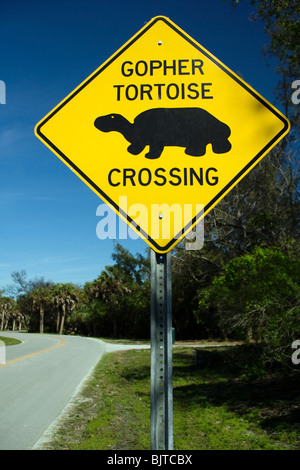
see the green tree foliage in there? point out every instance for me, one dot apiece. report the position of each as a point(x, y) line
point(262, 210)
point(131, 268)
point(40, 302)
point(109, 289)
point(134, 270)
point(257, 297)
point(282, 24)
point(8, 311)
point(115, 304)
point(118, 301)
point(281, 19)
point(191, 271)
point(43, 305)
point(21, 285)
point(65, 298)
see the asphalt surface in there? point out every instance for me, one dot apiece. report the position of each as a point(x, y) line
point(38, 380)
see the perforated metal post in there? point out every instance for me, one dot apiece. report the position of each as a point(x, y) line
point(161, 353)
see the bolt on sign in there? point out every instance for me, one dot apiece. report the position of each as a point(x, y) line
point(162, 131)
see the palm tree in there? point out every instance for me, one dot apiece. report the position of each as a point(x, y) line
point(65, 299)
point(41, 297)
point(20, 318)
point(110, 289)
point(6, 309)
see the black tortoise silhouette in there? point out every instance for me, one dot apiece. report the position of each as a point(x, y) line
point(192, 128)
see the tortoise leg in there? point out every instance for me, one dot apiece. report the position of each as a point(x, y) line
point(155, 151)
point(196, 152)
point(221, 147)
point(135, 149)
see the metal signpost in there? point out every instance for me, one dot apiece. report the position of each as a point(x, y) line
point(161, 352)
point(162, 131)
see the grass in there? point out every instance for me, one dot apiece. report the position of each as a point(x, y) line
point(220, 407)
point(9, 341)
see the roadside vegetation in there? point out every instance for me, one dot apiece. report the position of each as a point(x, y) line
point(9, 341)
point(223, 406)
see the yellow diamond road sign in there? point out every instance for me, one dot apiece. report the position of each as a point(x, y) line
point(162, 131)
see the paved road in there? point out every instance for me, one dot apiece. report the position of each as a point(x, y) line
point(39, 379)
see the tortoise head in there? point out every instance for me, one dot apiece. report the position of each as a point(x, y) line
point(110, 122)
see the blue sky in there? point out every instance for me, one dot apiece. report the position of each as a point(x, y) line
point(48, 215)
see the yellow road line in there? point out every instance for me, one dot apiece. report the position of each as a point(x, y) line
point(61, 343)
